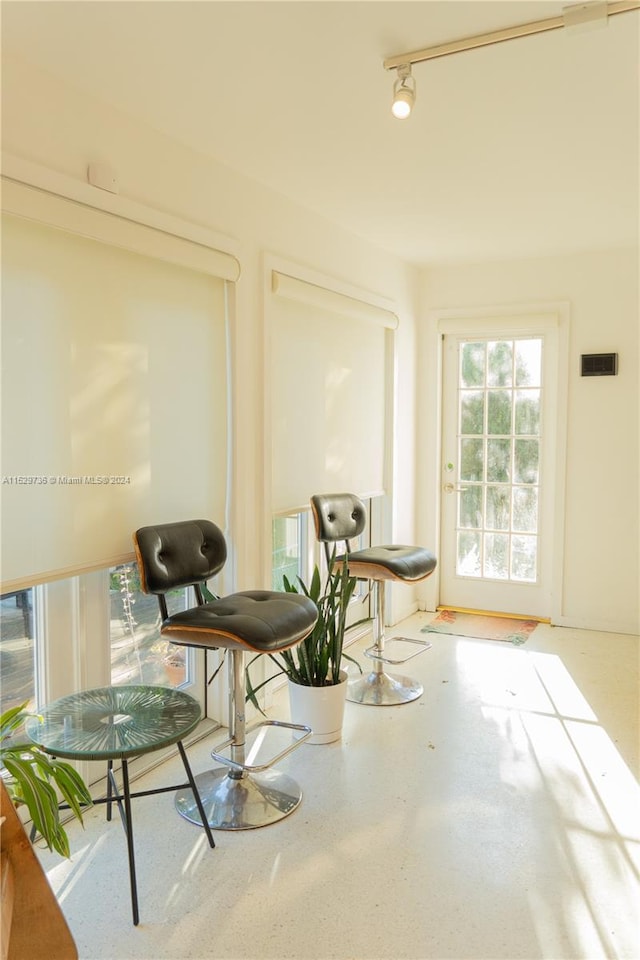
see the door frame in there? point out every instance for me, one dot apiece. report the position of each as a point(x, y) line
point(524, 318)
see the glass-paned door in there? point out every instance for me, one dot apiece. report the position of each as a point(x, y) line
point(494, 448)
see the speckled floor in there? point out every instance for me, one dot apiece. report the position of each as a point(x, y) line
point(495, 817)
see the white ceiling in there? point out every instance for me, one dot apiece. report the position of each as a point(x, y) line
point(524, 148)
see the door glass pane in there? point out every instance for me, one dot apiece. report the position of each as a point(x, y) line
point(523, 559)
point(17, 649)
point(472, 411)
point(472, 357)
point(528, 363)
point(498, 461)
point(498, 508)
point(469, 562)
point(471, 459)
point(499, 453)
point(139, 654)
point(471, 507)
point(526, 456)
point(499, 411)
point(500, 364)
point(527, 412)
point(525, 509)
point(496, 557)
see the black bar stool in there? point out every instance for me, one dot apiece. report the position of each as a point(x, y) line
point(342, 517)
point(188, 553)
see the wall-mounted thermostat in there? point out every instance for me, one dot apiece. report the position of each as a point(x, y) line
point(599, 364)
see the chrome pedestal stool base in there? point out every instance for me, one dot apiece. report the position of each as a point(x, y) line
point(383, 689)
point(233, 802)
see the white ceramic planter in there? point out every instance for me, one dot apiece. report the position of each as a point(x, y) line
point(321, 708)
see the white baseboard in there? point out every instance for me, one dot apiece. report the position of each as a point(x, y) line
point(604, 626)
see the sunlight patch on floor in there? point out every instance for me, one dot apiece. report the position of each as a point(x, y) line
point(553, 744)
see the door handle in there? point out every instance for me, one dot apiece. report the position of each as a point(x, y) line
point(451, 488)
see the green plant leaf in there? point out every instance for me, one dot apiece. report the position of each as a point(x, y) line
point(11, 719)
point(207, 595)
point(32, 773)
point(71, 786)
point(40, 799)
point(317, 659)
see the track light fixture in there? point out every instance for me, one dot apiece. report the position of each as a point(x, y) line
point(404, 92)
point(575, 16)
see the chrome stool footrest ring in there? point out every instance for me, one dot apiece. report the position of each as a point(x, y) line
point(260, 767)
point(374, 654)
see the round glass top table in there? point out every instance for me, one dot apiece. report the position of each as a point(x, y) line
point(112, 723)
point(118, 723)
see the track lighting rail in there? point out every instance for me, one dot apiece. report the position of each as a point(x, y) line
point(508, 33)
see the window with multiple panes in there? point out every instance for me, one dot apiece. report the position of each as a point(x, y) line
point(499, 436)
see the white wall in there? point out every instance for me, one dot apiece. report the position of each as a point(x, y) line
point(59, 127)
point(601, 575)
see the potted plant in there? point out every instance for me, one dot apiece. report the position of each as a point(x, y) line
point(31, 777)
point(174, 665)
point(317, 682)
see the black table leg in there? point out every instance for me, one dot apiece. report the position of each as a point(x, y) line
point(128, 829)
point(110, 787)
point(196, 794)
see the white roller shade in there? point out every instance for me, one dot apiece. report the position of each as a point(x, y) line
point(33, 203)
point(313, 295)
point(113, 398)
point(331, 379)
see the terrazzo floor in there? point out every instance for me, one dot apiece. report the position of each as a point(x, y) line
point(495, 817)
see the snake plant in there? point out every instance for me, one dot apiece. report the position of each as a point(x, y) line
point(316, 660)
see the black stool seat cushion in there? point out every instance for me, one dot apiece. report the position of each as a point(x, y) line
point(408, 564)
point(258, 620)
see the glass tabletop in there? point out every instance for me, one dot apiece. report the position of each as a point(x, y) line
point(114, 722)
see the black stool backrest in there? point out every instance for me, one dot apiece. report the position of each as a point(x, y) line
point(338, 516)
point(179, 554)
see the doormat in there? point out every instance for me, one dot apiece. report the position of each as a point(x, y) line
point(481, 626)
